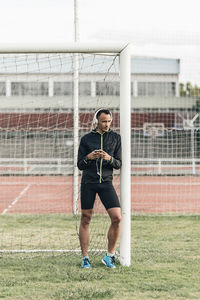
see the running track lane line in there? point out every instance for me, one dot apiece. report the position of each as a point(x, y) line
point(16, 199)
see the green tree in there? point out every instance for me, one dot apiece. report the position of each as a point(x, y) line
point(189, 90)
point(182, 89)
point(196, 91)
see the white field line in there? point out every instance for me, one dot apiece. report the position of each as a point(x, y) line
point(16, 199)
point(51, 250)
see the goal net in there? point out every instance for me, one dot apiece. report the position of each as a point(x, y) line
point(39, 211)
point(165, 139)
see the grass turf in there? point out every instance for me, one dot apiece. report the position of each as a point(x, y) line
point(165, 265)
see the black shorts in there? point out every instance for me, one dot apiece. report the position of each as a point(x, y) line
point(106, 193)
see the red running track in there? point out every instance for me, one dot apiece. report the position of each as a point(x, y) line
point(54, 194)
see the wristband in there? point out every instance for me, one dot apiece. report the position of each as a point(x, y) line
point(86, 159)
point(111, 160)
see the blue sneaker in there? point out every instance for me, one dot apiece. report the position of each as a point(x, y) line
point(109, 261)
point(85, 263)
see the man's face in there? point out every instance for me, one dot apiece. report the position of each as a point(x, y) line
point(104, 122)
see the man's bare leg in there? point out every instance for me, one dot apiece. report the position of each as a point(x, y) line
point(84, 234)
point(114, 230)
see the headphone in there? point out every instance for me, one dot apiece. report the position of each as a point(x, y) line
point(95, 120)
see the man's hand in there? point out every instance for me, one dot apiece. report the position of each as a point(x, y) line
point(99, 154)
point(104, 155)
point(94, 154)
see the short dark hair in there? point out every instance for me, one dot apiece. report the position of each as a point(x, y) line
point(105, 111)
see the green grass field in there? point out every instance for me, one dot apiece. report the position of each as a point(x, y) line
point(165, 265)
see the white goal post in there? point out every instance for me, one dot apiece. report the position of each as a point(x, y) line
point(124, 52)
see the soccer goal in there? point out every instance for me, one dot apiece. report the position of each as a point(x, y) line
point(49, 94)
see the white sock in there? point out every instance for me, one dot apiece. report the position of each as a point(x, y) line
point(110, 254)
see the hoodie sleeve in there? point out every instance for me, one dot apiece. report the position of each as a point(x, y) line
point(116, 161)
point(83, 162)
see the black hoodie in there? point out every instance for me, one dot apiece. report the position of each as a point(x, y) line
point(99, 170)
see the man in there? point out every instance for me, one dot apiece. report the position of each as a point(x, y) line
point(99, 152)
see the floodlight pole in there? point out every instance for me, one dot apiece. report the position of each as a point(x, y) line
point(125, 130)
point(76, 110)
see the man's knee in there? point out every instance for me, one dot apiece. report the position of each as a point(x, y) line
point(115, 215)
point(86, 218)
point(116, 219)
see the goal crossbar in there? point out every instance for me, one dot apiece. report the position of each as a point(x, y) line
point(63, 48)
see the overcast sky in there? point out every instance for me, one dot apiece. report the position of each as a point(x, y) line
point(155, 27)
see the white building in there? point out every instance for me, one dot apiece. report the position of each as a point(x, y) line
point(32, 82)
